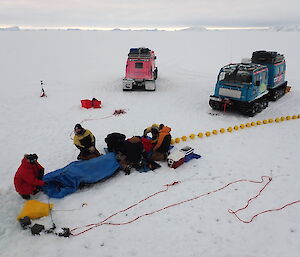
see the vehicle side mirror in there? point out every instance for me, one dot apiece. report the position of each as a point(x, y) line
point(257, 83)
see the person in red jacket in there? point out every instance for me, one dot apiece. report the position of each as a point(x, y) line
point(28, 178)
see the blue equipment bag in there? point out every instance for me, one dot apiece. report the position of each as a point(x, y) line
point(191, 156)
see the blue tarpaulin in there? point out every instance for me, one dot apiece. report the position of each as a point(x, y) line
point(66, 180)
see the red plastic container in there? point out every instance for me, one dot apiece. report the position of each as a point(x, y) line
point(178, 163)
point(175, 159)
point(86, 103)
point(96, 103)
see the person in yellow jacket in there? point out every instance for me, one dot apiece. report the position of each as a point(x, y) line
point(85, 141)
point(153, 129)
point(162, 146)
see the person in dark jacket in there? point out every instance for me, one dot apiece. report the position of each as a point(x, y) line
point(130, 154)
point(114, 141)
point(28, 178)
point(85, 141)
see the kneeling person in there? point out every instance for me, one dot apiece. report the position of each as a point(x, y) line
point(161, 148)
point(85, 141)
point(28, 178)
point(130, 154)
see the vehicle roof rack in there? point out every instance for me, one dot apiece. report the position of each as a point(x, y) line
point(249, 67)
point(139, 52)
point(266, 57)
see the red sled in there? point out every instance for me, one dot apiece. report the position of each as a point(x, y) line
point(86, 103)
point(96, 103)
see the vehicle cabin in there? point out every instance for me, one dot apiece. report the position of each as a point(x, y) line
point(242, 82)
point(140, 64)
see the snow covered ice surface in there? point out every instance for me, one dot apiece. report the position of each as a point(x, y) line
point(77, 65)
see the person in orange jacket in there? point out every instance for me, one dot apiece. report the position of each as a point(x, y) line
point(161, 148)
point(28, 178)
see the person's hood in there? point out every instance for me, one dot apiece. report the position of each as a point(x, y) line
point(25, 163)
point(165, 130)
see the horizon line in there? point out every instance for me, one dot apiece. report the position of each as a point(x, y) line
point(133, 28)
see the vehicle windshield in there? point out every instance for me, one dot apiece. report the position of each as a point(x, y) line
point(235, 76)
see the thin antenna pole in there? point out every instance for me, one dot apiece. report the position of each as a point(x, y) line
point(43, 91)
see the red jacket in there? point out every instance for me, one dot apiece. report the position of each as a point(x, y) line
point(147, 144)
point(26, 178)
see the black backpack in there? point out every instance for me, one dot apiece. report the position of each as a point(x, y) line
point(133, 150)
point(115, 141)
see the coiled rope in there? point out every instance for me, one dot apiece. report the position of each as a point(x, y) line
point(264, 179)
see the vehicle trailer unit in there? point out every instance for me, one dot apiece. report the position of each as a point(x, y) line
point(248, 87)
point(141, 71)
point(276, 69)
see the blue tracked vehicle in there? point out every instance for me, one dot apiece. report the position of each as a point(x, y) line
point(248, 87)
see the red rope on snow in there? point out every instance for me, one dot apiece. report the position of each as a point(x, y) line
point(104, 222)
point(116, 113)
point(265, 211)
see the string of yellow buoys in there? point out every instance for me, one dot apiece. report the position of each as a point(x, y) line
point(234, 128)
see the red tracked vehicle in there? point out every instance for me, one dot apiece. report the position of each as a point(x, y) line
point(141, 71)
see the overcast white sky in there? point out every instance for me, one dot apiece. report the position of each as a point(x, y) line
point(148, 13)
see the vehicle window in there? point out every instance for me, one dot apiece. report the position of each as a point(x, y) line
point(264, 77)
point(235, 77)
point(244, 77)
point(257, 79)
point(139, 65)
point(222, 75)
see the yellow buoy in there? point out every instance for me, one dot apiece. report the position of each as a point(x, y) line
point(258, 122)
point(265, 121)
point(248, 125)
point(271, 120)
point(288, 117)
point(215, 132)
point(242, 126)
point(192, 136)
point(253, 123)
point(236, 127)
point(298, 116)
point(294, 117)
point(183, 138)
point(277, 120)
point(222, 130)
point(207, 133)
point(177, 140)
point(229, 129)
point(200, 135)
point(282, 118)
point(172, 141)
